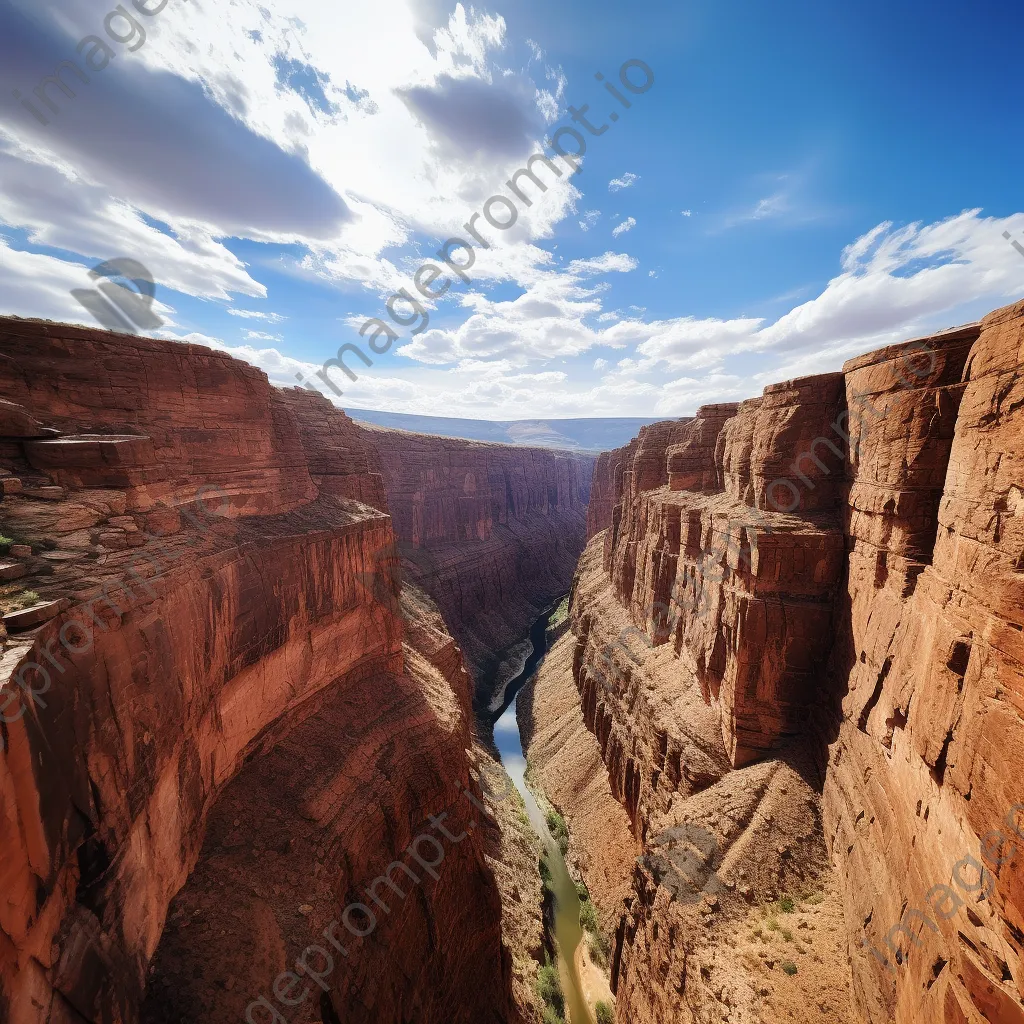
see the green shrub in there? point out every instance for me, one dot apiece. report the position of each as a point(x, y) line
point(552, 1016)
point(588, 916)
point(786, 905)
point(559, 614)
point(549, 988)
point(604, 1012)
point(787, 934)
point(600, 949)
point(15, 602)
point(789, 967)
point(558, 829)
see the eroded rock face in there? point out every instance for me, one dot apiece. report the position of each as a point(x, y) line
point(492, 532)
point(222, 684)
point(927, 730)
point(810, 617)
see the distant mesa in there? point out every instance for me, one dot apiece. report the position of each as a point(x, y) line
point(587, 434)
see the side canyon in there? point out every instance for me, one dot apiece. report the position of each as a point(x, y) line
point(250, 651)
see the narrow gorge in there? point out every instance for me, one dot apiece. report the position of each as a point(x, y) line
point(253, 656)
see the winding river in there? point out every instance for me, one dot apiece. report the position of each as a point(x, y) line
point(568, 931)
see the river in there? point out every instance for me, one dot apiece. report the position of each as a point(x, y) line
point(568, 931)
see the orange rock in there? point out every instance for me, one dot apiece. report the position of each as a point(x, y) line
point(832, 569)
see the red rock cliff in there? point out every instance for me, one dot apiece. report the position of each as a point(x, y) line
point(795, 662)
point(492, 532)
point(222, 718)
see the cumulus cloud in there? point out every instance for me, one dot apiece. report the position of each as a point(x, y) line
point(547, 321)
point(174, 153)
point(628, 180)
point(627, 225)
point(589, 219)
point(476, 119)
point(272, 121)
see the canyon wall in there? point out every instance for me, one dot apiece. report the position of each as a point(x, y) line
point(224, 715)
point(795, 657)
point(492, 532)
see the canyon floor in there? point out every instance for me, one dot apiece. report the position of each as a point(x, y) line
point(253, 654)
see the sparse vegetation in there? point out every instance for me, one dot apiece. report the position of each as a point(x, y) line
point(787, 934)
point(600, 949)
point(549, 988)
point(545, 876)
point(558, 616)
point(558, 829)
point(597, 945)
point(789, 967)
point(12, 599)
point(773, 925)
point(787, 905)
point(588, 915)
point(814, 899)
point(604, 1012)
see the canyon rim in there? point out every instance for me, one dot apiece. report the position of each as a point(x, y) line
point(247, 695)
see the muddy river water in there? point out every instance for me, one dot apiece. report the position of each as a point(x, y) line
point(568, 931)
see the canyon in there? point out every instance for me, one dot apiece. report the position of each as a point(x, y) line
point(250, 648)
point(792, 694)
point(235, 711)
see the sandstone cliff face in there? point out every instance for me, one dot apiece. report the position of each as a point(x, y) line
point(491, 532)
point(927, 675)
point(796, 654)
point(223, 705)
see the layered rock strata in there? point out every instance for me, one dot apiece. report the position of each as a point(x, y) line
point(795, 654)
point(219, 702)
point(491, 532)
point(923, 801)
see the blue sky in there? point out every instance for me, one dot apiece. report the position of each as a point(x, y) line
point(802, 182)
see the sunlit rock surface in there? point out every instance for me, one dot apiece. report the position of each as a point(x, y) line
point(796, 653)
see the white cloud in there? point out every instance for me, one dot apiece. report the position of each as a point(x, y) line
point(262, 336)
point(590, 218)
point(687, 213)
point(669, 367)
point(254, 314)
point(315, 140)
point(547, 321)
point(627, 225)
point(628, 180)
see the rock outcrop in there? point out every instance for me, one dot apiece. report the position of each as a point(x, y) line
point(795, 652)
point(492, 532)
point(236, 749)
